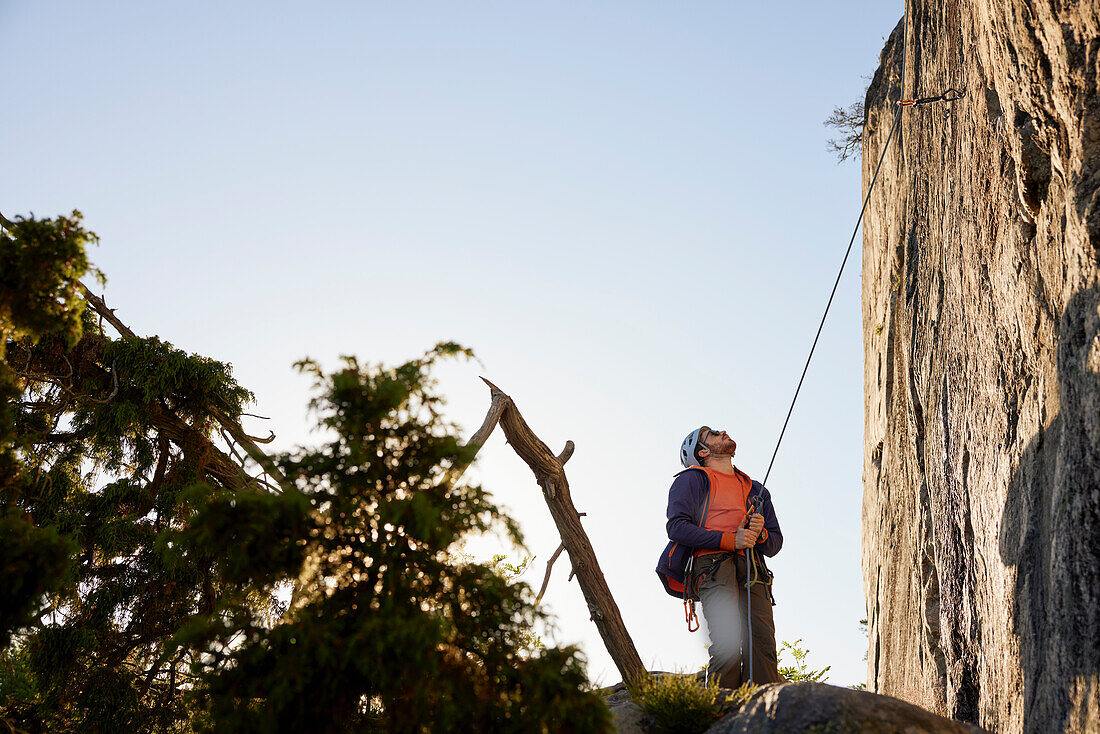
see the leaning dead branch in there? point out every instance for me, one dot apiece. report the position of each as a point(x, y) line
point(549, 471)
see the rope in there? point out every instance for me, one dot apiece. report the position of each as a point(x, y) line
point(750, 567)
point(949, 95)
point(748, 602)
point(851, 242)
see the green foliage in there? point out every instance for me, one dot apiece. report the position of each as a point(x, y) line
point(151, 584)
point(160, 384)
point(41, 264)
point(799, 670)
point(530, 642)
point(742, 695)
point(187, 384)
point(389, 627)
point(33, 561)
point(509, 571)
point(681, 704)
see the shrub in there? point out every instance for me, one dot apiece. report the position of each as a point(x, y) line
point(680, 703)
point(800, 671)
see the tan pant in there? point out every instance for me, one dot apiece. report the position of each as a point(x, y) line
point(721, 585)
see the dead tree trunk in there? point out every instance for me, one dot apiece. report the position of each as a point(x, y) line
point(549, 472)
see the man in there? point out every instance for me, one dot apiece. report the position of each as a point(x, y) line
point(714, 543)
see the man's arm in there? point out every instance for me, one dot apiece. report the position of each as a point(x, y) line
point(685, 500)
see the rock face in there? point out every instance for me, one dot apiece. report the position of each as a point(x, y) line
point(981, 322)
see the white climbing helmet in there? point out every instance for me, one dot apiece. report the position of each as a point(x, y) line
point(687, 448)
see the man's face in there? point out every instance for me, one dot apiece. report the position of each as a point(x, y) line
point(719, 442)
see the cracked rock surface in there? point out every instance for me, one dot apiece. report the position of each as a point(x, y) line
point(981, 327)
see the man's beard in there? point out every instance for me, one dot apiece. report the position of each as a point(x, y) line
point(725, 447)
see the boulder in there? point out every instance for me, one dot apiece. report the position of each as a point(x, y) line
point(818, 708)
point(801, 708)
point(629, 716)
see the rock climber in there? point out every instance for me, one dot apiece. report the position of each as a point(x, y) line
point(713, 539)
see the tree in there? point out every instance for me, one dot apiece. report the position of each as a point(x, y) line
point(849, 123)
point(389, 626)
point(38, 277)
point(168, 574)
point(103, 438)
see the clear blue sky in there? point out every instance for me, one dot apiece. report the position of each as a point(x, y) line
point(625, 208)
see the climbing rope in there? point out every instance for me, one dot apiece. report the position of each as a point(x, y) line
point(750, 566)
point(950, 95)
point(897, 116)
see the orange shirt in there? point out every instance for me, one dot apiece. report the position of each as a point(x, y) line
point(726, 502)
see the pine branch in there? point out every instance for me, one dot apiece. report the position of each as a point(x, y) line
point(248, 443)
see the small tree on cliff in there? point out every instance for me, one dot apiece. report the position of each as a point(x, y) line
point(146, 561)
point(848, 122)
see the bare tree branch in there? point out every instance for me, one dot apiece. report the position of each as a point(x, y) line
point(496, 407)
point(252, 449)
point(549, 567)
point(269, 439)
point(481, 435)
point(550, 474)
point(849, 123)
point(100, 307)
point(64, 437)
point(233, 427)
point(114, 391)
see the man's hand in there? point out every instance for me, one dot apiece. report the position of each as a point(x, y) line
point(744, 538)
point(756, 524)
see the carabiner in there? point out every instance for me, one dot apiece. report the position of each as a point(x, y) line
point(689, 615)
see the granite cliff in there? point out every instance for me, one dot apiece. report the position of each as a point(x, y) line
point(981, 323)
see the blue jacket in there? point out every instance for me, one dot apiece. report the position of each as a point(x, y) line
point(686, 500)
